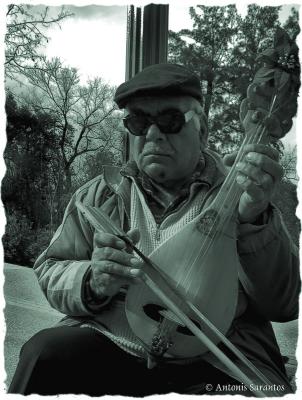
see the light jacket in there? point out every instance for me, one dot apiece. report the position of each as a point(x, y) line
point(269, 277)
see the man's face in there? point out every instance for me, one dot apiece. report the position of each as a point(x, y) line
point(166, 158)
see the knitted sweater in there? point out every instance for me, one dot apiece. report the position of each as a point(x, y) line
point(152, 235)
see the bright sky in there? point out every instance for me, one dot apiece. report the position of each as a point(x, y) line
point(94, 39)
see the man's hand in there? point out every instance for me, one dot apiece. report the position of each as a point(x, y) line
point(111, 266)
point(258, 174)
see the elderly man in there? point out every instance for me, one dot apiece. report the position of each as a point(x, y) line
point(85, 273)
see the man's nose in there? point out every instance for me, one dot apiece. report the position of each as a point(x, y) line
point(154, 133)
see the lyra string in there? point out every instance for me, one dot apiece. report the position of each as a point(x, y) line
point(231, 192)
point(231, 196)
point(257, 137)
point(99, 221)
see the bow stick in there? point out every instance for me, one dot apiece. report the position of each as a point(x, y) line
point(163, 289)
point(276, 86)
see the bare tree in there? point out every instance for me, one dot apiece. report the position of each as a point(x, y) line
point(87, 121)
point(54, 201)
point(25, 35)
point(289, 164)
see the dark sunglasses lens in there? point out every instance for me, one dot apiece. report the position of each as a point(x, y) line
point(136, 124)
point(170, 122)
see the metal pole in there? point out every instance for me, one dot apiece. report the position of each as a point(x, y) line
point(133, 43)
point(155, 34)
point(129, 42)
point(148, 48)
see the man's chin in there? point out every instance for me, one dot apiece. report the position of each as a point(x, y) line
point(156, 171)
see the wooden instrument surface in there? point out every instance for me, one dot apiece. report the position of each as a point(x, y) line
point(204, 271)
point(195, 272)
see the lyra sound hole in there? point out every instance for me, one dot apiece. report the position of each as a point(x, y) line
point(158, 313)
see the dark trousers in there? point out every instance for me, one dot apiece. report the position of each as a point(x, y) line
point(80, 360)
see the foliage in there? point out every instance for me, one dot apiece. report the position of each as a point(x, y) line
point(289, 165)
point(31, 157)
point(39, 158)
point(23, 243)
point(38, 241)
point(91, 165)
point(285, 199)
point(292, 24)
point(17, 229)
point(205, 48)
point(25, 35)
point(222, 48)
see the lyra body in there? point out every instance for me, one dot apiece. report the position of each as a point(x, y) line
point(199, 262)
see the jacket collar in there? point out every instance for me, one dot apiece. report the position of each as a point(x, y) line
point(213, 174)
point(213, 168)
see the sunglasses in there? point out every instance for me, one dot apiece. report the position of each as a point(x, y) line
point(168, 122)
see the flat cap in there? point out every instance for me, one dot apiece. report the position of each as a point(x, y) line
point(159, 80)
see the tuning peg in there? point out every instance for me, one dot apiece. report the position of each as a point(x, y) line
point(256, 116)
point(264, 88)
point(273, 126)
point(285, 122)
point(251, 105)
point(286, 125)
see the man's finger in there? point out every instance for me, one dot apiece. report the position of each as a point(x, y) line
point(229, 159)
point(263, 149)
point(266, 164)
point(252, 148)
point(108, 285)
point(256, 174)
point(113, 268)
point(111, 254)
point(103, 239)
point(254, 190)
point(134, 235)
